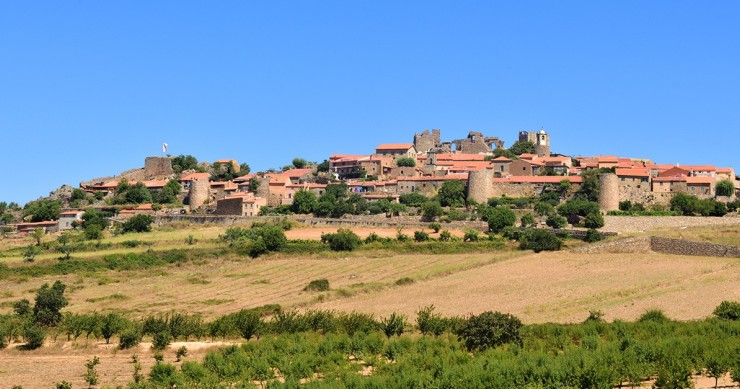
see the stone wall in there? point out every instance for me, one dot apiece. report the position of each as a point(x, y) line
point(158, 167)
point(230, 207)
point(686, 247)
point(514, 190)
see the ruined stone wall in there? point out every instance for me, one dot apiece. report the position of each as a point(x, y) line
point(474, 144)
point(686, 247)
point(609, 192)
point(158, 167)
point(200, 192)
point(426, 141)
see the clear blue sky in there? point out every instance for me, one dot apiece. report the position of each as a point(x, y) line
point(90, 88)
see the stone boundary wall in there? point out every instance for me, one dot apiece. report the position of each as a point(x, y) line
point(657, 244)
point(687, 247)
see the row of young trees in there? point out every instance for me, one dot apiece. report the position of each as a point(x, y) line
point(491, 350)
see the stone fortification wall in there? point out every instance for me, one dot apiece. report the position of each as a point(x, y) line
point(514, 190)
point(686, 247)
point(158, 167)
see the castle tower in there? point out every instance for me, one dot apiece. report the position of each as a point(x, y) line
point(157, 167)
point(200, 191)
point(608, 192)
point(480, 185)
point(540, 139)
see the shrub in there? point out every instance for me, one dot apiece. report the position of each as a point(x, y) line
point(274, 237)
point(490, 329)
point(404, 281)
point(512, 233)
point(594, 220)
point(539, 240)
point(653, 315)
point(445, 236)
point(725, 188)
point(373, 237)
point(34, 337)
point(342, 240)
point(527, 219)
point(431, 210)
point(729, 310)
point(393, 325)
point(421, 236)
point(317, 285)
point(248, 322)
point(413, 199)
point(500, 217)
point(435, 227)
point(406, 162)
point(129, 338)
point(543, 209)
point(138, 223)
point(556, 221)
point(181, 352)
point(161, 340)
point(470, 236)
point(430, 323)
point(593, 235)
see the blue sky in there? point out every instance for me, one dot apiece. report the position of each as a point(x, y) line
point(89, 89)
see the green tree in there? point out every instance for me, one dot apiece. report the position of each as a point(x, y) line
point(527, 219)
point(452, 193)
point(244, 168)
point(254, 184)
point(111, 324)
point(499, 218)
point(299, 163)
point(589, 189)
point(405, 162)
point(168, 194)
point(94, 217)
point(91, 374)
point(6, 218)
point(539, 240)
point(522, 147)
point(43, 210)
point(342, 240)
point(30, 253)
point(66, 246)
point(78, 194)
point(503, 152)
point(248, 323)
point(34, 337)
point(431, 209)
point(490, 329)
point(304, 202)
point(48, 305)
point(137, 194)
point(323, 166)
point(725, 188)
point(594, 220)
point(37, 234)
point(184, 162)
point(729, 310)
point(414, 199)
point(138, 223)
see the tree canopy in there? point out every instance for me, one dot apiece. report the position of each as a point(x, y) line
point(521, 147)
point(452, 193)
point(406, 162)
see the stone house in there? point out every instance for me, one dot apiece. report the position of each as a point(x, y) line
point(66, 219)
point(46, 226)
point(501, 166)
point(396, 150)
point(240, 204)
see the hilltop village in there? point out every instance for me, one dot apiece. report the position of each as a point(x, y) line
point(482, 163)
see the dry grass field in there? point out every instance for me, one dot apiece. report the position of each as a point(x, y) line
point(545, 287)
point(564, 286)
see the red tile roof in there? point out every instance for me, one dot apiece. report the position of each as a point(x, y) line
point(460, 157)
point(700, 180)
point(632, 172)
point(538, 179)
point(501, 159)
point(395, 146)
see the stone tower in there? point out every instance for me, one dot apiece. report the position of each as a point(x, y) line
point(200, 191)
point(425, 141)
point(157, 167)
point(540, 139)
point(480, 185)
point(608, 192)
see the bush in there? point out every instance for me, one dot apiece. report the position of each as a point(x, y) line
point(445, 236)
point(342, 240)
point(404, 281)
point(556, 221)
point(512, 233)
point(421, 236)
point(413, 199)
point(539, 240)
point(527, 219)
point(499, 218)
point(725, 188)
point(161, 340)
point(593, 235)
point(321, 285)
point(431, 210)
point(594, 220)
point(405, 162)
point(470, 236)
point(435, 227)
point(129, 338)
point(729, 310)
point(490, 329)
point(430, 323)
point(34, 337)
point(653, 315)
point(393, 325)
point(138, 223)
